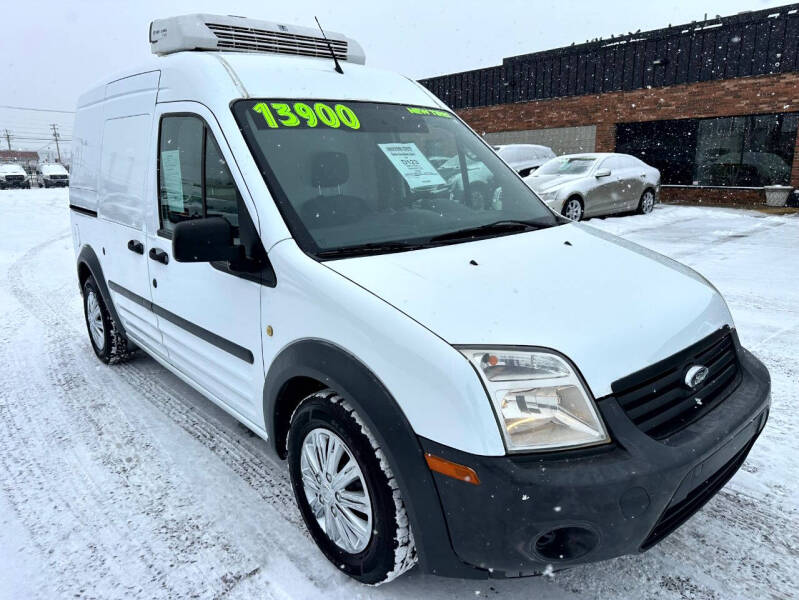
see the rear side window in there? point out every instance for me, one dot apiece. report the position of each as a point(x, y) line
point(614, 163)
point(194, 180)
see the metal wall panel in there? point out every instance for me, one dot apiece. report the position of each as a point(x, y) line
point(755, 43)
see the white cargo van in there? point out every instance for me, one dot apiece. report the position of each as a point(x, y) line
point(482, 387)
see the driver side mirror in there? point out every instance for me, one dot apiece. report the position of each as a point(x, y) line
point(204, 240)
point(602, 173)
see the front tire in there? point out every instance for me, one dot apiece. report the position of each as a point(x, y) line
point(573, 209)
point(108, 342)
point(346, 492)
point(647, 202)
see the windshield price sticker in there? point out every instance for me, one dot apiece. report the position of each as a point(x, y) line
point(283, 114)
point(412, 165)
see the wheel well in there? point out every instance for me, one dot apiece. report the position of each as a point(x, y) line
point(294, 391)
point(83, 274)
point(576, 197)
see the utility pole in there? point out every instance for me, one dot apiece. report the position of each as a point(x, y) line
point(55, 137)
point(8, 139)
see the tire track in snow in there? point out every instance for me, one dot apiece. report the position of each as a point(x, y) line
point(168, 558)
point(269, 479)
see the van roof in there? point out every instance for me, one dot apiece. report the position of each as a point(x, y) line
point(216, 78)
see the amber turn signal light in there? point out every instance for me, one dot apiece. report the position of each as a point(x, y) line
point(451, 469)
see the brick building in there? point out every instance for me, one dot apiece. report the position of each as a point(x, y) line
point(27, 159)
point(714, 105)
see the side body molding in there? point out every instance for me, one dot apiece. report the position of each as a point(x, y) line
point(88, 257)
point(341, 371)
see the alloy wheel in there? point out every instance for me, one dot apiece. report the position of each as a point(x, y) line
point(573, 209)
point(336, 491)
point(94, 316)
point(647, 202)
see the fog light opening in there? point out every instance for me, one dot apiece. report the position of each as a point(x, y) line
point(566, 543)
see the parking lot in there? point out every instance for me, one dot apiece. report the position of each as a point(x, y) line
point(124, 482)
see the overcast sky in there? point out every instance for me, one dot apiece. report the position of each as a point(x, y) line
point(52, 50)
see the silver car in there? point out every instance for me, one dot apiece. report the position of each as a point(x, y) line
point(589, 185)
point(524, 158)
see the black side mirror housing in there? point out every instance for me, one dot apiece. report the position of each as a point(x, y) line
point(204, 240)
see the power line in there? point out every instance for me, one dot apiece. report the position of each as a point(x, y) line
point(39, 138)
point(52, 110)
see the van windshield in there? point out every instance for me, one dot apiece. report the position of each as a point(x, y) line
point(358, 177)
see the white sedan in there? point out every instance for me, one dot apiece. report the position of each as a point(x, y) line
point(589, 185)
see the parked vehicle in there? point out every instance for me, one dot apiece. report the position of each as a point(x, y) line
point(13, 175)
point(525, 158)
point(53, 175)
point(480, 180)
point(590, 185)
point(485, 390)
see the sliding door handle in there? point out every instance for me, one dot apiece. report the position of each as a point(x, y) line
point(136, 246)
point(159, 256)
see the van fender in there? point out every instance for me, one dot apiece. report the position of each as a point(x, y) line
point(336, 368)
point(87, 258)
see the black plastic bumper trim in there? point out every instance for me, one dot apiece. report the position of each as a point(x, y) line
point(84, 211)
point(621, 493)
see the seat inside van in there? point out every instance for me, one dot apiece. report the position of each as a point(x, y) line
point(330, 207)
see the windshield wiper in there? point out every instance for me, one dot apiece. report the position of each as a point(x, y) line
point(371, 248)
point(504, 226)
point(501, 227)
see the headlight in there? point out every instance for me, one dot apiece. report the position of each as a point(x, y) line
point(538, 398)
point(548, 196)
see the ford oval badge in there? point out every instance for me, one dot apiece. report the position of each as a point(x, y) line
point(696, 375)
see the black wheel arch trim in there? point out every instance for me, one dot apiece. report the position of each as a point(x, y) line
point(88, 257)
point(336, 368)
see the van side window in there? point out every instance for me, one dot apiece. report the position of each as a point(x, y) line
point(194, 180)
point(221, 195)
point(180, 179)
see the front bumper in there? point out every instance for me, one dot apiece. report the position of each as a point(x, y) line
point(56, 183)
point(580, 506)
point(8, 184)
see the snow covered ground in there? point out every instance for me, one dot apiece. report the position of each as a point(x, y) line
point(123, 482)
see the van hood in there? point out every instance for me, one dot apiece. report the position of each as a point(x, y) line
point(609, 305)
point(542, 183)
point(12, 170)
point(53, 170)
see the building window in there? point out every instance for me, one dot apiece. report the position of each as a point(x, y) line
point(748, 151)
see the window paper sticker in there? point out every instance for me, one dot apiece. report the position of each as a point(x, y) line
point(172, 180)
point(412, 165)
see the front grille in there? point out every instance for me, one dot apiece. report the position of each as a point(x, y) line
point(679, 512)
point(248, 39)
point(15, 178)
point(659, 402)
point(58, 176)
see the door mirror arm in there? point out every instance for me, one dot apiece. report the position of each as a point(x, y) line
point(242, 263)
